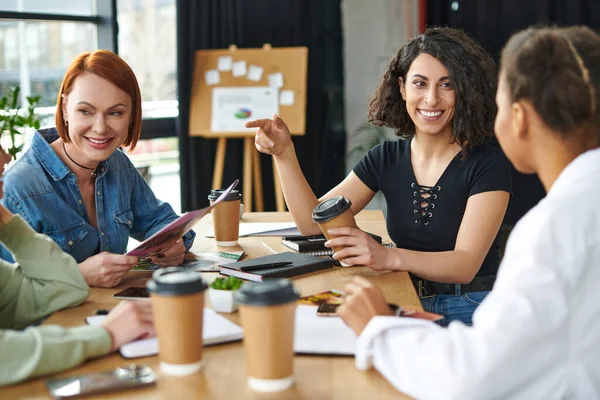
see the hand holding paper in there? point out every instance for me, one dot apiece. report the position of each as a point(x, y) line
point(174, 255)
point(163, 240)
point(106, 269)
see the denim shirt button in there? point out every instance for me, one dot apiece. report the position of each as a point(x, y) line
point(80, 201)
point(70, 243)
point(102, 233)
point(98, 192)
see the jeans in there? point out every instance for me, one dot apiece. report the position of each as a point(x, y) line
point(453, 308)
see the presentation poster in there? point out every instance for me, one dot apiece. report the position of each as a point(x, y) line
point(232, 107)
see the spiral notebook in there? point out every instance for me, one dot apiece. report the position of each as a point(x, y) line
point(311, 245)
point(314, 245)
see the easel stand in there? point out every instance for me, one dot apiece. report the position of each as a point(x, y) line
point(252, 175)
point(291, 62)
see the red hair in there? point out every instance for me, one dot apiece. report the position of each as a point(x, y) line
point(109, 66)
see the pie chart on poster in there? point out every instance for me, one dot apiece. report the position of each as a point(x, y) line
point(243, 113)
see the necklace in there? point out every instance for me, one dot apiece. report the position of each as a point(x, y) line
point(94, 170)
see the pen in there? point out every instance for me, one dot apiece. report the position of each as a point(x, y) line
point(268, 265)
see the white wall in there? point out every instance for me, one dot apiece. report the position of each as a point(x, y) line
point(374, 30)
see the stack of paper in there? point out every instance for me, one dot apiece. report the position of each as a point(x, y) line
point(263, 229)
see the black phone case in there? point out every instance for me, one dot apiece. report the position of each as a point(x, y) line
point(327, 308)
point(133, 292)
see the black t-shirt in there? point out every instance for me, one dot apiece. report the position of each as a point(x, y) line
point(432, 225)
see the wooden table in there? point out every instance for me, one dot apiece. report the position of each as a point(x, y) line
point(224, 372)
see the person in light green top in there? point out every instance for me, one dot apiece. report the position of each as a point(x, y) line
point(44, 280)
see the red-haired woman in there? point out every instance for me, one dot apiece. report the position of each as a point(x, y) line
point(75, 184)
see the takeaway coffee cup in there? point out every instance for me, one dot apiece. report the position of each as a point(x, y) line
point(267, 310)
point(226, 217)
point(334, 213)
point(177, 298)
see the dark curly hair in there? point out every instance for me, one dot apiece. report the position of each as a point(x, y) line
point(558, 71)
point(472, 74)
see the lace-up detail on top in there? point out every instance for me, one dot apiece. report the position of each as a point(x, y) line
point(424, 202)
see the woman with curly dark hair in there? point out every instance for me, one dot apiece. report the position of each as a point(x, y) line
point(446, 188)
point(536, 335)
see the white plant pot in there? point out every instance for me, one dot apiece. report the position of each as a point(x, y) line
point(222, 300)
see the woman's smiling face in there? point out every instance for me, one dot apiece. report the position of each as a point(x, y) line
point(429, 95)
point(98, 115)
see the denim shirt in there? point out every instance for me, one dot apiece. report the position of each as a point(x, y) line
point(42, 189)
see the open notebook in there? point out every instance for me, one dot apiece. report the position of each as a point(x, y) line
point(312, 335)
point(322, 335)
point(216, 329)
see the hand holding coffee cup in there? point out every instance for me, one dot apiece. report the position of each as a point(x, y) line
point(334, 213)
point(267, 310)
point(226, 217)
point(177, 298)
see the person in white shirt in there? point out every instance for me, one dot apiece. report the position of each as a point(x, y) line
point(537, 334)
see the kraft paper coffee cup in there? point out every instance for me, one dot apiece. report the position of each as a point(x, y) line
point(334, 213)
point(177, 298)
point(226, 217)
point(267, 310)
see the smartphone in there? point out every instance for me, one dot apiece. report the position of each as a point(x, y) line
point(121, 378)
point(132, 293)
point(327, 310)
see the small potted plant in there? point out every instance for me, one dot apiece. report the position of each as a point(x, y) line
point(221, 292)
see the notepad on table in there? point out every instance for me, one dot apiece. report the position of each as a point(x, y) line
point(216, 329)
point(313, 245)
point(322, 335)
point(296, 264)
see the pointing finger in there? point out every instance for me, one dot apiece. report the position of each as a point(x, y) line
point(258, 123)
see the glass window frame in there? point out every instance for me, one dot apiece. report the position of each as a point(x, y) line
point(107, 27)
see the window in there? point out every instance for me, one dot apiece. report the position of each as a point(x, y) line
point(38, 40)
point(146, 40)
point(66, 7)
point(147, 35)
point(35, 55)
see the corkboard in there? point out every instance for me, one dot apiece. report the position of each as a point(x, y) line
point(290, 61)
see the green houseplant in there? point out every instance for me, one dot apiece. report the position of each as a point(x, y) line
point(12, 122)
point(361, 140)
point(221, 292)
